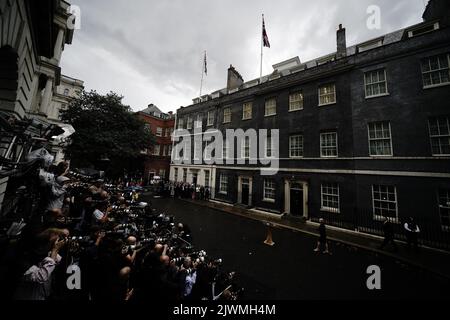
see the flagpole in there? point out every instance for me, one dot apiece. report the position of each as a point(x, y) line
point(203, 73)
point(262, 49)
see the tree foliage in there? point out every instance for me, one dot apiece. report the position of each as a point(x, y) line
point(105, 127)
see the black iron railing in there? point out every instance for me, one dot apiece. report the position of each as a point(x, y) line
point(431, 234)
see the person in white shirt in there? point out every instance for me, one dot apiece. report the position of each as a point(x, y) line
point(58, 192)
point(36, 281)
point(191, 276)
point(412, 233)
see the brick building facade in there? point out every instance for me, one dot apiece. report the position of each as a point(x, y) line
point(364, 132)
point(161, 125)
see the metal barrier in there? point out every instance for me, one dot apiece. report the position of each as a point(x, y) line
point(431, 233)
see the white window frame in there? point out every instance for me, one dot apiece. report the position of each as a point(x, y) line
point(327, 187)
point(333, 85)
point(328, 147)
point(223, 184)
point(435, 26)
point(440, 84)
point(439, 136)
point(269, 147)
point(370, 45)
point(381, 217)
point(199, 152)
point(270, 105)
point(227, 115)
point(199, 122)
point(210, 120)
point(159, 132)
point(376, 83)
point(294, 99)
point(225, 152)
point(180, 123)
point(247, 111)
point(206, 151)
point(245, 148)
point(157, 150)
point(189, 123)
point(374, 140)
point(291, 147)
point(273, 189)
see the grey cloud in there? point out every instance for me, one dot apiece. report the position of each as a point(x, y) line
point(160, 43)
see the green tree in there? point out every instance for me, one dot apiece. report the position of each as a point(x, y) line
point(105, 127)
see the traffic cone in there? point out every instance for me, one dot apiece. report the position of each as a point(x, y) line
point(269, 240)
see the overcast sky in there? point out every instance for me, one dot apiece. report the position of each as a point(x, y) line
point(151, 51)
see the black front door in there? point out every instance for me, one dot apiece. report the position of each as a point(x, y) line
point(297, 204)
point(246, 193)
point(194, 178)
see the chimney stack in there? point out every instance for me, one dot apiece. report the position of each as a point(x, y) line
point(234, 80)
point(341, 43)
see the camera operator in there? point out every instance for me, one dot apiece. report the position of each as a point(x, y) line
point(126, 251)
point(101, 208)
point(58, 187)
point(121, 202)
point(184, 232)
point(39, 264)
point(97, 187)
point(132, 250)
point(170, 279)
point(107, 278)
point(62, 169)
point(188, 276)
point(205, 277)
point(87, 209)
point(89, 259)
point(151, 278)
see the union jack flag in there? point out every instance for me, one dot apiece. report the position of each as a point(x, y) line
point(205, 64)
point(264, 35)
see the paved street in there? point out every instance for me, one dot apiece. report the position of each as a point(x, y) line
point(290, 269)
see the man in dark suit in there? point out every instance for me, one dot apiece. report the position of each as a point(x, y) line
point(322, 238)
point(388, 230)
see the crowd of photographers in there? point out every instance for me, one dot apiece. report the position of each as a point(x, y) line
point(96, 241)
point(182, 190)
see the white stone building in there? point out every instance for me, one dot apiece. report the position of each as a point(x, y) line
point(33, 35)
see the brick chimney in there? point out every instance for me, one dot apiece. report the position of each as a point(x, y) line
point(341, 43)
point(234, 80)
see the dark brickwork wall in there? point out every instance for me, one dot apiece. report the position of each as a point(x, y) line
point(407, 107)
